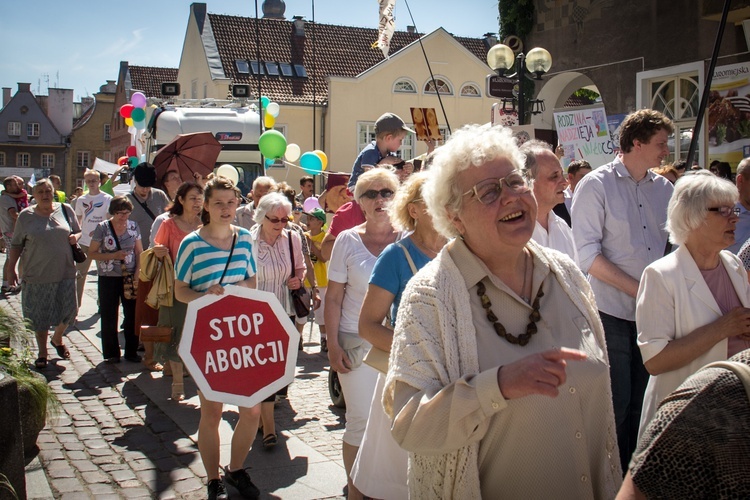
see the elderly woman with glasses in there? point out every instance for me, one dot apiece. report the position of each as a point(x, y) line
point(498, 382)
point(692, 305)
point(352, 260)
point(272, 242)
point(41, 240)
point(116, 247)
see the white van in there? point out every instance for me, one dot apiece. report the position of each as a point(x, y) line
point(236, 128)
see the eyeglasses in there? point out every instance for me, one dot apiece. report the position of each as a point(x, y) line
point(274, 220)
point(123, 212)
point(488, 191)
point(726, 211)
point(371, 194)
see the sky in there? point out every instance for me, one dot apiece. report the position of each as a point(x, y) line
point(79, 44)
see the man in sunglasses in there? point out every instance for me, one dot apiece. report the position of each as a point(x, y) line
point(620, 212)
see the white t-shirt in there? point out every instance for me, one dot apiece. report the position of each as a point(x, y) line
point(351, 263)
point(91, 210)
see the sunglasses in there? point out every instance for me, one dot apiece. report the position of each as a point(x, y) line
point(274, 220)
point(371, 194)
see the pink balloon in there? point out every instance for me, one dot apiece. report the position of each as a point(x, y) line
point(310, 204)
point(138, 100)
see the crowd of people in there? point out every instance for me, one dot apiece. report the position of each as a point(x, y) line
point(493, 320)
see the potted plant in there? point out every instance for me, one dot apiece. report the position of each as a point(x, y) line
point(35, 398)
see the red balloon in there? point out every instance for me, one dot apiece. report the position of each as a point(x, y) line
point(122, 161)
point(126, 110)
point(131, 151)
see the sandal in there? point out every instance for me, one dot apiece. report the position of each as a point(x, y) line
point(269, 441)
point(178, 392)
point(40, 363)
point(62, 350)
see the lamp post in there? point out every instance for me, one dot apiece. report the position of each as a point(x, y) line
point(532, 66)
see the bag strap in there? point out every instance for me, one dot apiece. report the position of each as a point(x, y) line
point(144, 206)
point(65, 214)
point(408, 258)
point(114, 235)
point(229, 259)
point(740, 369)
point(291, 251)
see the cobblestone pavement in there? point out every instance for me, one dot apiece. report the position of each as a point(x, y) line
point(117, 435)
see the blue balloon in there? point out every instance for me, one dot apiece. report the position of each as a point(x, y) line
point(270, 161)
point(311, 163)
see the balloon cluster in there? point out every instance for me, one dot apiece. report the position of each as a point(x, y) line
point(273, 145)
point(135, 119)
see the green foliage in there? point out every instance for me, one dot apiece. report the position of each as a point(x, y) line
point(516, 17)
point(16, 361)
point(587, 94)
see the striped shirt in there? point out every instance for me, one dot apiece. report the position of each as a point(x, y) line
point(200, 264)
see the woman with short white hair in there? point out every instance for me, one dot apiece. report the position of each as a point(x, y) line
point(352, 260)
point(692, 305)
point(498, 381)
point(272, 242)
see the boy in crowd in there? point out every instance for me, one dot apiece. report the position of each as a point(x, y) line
point(390, 131)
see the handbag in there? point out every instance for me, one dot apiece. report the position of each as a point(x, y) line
point(129, 285)
point(78, 254)
point(300, 296)
point(156, 333)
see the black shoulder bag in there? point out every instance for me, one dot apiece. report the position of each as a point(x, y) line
point(300, 297)
point(78, 254)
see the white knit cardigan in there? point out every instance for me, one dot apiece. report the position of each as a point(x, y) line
point(426, 360)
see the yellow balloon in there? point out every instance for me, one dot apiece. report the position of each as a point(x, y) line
point(322, 157)
point(129, 122)
point(269, 121)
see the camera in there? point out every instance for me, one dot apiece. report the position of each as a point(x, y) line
point(125, 175)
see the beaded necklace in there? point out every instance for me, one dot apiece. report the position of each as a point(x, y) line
point(534, 316)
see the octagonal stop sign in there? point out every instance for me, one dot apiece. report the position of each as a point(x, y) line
point(240, 347)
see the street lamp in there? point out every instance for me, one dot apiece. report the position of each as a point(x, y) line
point(532, 66)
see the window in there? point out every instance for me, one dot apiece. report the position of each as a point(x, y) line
point(2, 159)
point(194, 89)
point(242, 67)
point(470, 90)
point(48, 160)
point(106, 131)
point(366, 134)
point(286, 69)
point(83, 159)
point(272, 69)
point(32, 129)
point(442, 85)
point(14, 128)
point(107, 155)
point(300, 71)
point(405, 86)
point(256, 69)
point(23, 160)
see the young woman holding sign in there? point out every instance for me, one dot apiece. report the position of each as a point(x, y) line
point(216, 255)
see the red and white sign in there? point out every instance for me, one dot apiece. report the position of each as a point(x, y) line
point(240, 347)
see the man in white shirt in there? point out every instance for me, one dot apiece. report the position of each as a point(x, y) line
point(742, 229)
point(619, 214)
point(91, 209)
point(576, 171)
point(545, 175)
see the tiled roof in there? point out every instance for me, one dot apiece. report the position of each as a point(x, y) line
point(339, 51)
point(148, 79)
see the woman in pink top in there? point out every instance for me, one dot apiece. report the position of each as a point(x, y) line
point(693, 304)
point(185, 217)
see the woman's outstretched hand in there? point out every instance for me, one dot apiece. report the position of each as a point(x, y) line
point(540, 373)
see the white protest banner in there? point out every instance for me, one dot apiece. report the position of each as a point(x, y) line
point(584, 134)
